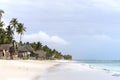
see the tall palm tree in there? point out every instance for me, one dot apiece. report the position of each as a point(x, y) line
point(9, 30)
point(1, 12)
point(1, 28)
point(14, 23)
point(20, 30)
point(2, 33)
point(10, 33)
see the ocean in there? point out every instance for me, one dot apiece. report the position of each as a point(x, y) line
point(110, 65)
point(72, 70)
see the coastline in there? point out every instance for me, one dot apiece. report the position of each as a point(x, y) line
point(72, 70)
point(51, 70)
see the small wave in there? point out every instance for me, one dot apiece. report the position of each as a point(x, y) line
point(116, 74)
point(107, 70)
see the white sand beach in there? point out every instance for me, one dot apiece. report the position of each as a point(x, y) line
point(50, 70)
point(23, 69)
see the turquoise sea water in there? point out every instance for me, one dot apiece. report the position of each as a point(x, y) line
point(72, 70)
point(111, 65)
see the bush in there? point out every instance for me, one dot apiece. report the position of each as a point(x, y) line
point(67, 57)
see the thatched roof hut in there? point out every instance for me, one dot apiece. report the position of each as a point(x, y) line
point(5, 46)
point(5, 51)
point(41, 54)
point(25, 48)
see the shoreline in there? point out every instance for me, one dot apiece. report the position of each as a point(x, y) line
point(78, 71)
point(114, 72)
point(51, 70)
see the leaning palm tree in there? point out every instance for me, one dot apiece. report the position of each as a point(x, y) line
point(14, 23)
point(1, 12)
point(20, 30)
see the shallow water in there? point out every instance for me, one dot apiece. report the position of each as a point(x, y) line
point(110, 65)
point(73, 71)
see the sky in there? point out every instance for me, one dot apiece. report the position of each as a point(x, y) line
point(86, 29)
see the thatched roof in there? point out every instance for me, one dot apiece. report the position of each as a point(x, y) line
point(25, 48)
point(5, 46)
point(41, 54)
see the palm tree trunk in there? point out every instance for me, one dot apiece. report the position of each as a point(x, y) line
point(11, 56)
point(20, 37)
point(0, 19)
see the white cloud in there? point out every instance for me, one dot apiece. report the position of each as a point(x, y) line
point(44, 38)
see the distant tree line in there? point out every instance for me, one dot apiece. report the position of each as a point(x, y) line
point(51, 54)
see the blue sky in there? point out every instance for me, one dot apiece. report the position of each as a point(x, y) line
point(82, 28)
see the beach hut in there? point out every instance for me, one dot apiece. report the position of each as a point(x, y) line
point(25, 51)
point(4, 51)
point(41, 54)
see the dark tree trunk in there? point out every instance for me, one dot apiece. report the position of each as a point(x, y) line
point(12, 51)
point(11, 56)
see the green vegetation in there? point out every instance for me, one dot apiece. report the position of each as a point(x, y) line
point(7, 37)
point(34, 55)
point(67, 57)
point(51, 54)
point(7, 34)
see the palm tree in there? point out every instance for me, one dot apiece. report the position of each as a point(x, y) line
point(1, 12)
point(14, 23)
point(2, 32)
point(9, 32)
point(1, 24)
point(38, 46)
point(20, 30)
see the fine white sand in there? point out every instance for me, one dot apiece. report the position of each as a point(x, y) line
point(50, 70)
point(23, 69)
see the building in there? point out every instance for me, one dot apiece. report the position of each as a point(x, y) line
point(4, 51)
point(24, 51)
point(41, 54)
